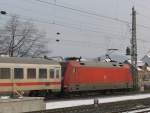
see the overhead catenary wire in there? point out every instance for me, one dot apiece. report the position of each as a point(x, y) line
point(66, 25)
point(63, 25)
point(27, 10)
point(91, 13)
point(96, 31)
point(81, 43)
point(76, 43)
point(145, 16)
point(82, 11)
point(92, 26)
point(43, 21)
point(141, 5)
point(78, 28)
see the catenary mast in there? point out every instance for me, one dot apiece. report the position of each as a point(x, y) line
point(134, 51)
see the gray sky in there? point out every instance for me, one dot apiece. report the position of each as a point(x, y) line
point(83, 34)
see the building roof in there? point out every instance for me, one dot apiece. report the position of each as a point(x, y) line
point(140, 63)
point(146, 59)
point(26, 60)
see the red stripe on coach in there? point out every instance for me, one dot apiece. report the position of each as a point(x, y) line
point(30, 83)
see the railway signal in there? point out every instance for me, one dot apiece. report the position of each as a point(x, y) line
point(128, 51)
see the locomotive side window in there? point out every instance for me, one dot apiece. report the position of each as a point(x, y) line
point(43, 73)
point(52, 72)
point(31, 73)
point(4, 73)
point(57, 73)
point(18, 73)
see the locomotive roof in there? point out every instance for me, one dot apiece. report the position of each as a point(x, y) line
point(26, 60)
point(101, 64)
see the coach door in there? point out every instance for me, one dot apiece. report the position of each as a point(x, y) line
point(43, 77)
point(55, 78)
point(18, 79)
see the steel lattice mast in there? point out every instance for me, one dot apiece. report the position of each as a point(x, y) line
point(134, 50)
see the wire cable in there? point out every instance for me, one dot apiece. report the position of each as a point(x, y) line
point(90, 13)
point(82, 11)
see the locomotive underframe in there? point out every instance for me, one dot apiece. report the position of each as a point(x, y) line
point(96, 87)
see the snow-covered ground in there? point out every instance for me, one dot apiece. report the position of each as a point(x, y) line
point(139, 111)
point(71, 103)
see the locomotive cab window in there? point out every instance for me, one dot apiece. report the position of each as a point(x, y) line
point(4, 73)
point(43, 73)
point(57, 73)
point(31, 73)
point(52, 73)
point(18, 73)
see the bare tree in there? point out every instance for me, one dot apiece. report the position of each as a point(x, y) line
point(22, 39)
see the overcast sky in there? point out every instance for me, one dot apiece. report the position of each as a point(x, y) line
point(83, 34)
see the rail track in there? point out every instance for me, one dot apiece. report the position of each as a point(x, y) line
point(140, 110)
point(130, 106)
point(93, 95)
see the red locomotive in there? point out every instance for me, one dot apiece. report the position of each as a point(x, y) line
point(89, 76)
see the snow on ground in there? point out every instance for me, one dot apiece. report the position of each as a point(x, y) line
point(138, 111)
point(71, 103)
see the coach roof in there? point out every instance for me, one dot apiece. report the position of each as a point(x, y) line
point(26, 60)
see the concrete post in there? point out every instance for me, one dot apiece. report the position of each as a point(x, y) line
point(96, 102)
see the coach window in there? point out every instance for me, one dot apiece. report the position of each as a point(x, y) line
point(57, 73)
point(31, 73)
point(18, 73)
point(43, 73)
point(4, 73)
point(52, 73)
